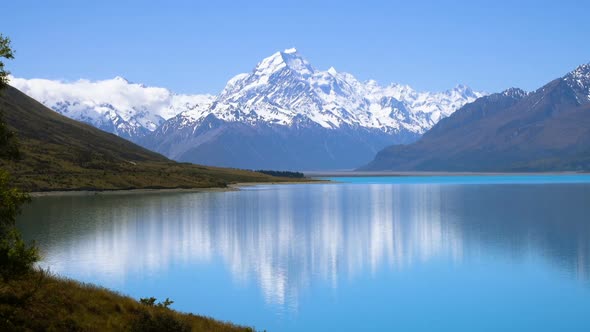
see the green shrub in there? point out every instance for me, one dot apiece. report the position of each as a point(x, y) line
point(16, 257)
point(151, 302)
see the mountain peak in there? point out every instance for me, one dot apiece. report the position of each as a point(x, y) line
point(581, 69)
point(121, 79)
point(582, 72)
point(579, 79)
point(289, 58)
point(462, 89)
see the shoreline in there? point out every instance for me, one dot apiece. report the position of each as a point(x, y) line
point(230, 187)
point(315, 178)
point(315, 174)
point(123, 191)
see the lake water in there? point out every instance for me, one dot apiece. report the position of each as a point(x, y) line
point(506, 253)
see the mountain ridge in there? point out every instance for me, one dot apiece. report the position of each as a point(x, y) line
point(544, 130)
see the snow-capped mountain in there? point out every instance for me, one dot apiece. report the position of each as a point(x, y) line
point(284, 114)
point(118, 106)
point(285, 86)
point(287, 114)
point(579, 81)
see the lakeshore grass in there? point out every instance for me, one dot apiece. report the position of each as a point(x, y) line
point(41, 301)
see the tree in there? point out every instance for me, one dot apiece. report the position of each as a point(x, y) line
point(6, 52)
point(16, 257)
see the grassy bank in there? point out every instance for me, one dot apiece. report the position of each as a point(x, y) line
point(40, 301)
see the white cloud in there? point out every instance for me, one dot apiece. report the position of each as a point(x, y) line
point(148, 106)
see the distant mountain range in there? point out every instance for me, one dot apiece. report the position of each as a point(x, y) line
point(545, 130)
point(284, 114)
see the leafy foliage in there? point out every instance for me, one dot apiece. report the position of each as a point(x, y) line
point(151, 302)
point(16, 257)
point(6, 52)
point(11, 200)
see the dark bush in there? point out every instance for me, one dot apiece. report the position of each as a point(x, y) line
point(283, 174)
point(16, 257)
point(151, 302)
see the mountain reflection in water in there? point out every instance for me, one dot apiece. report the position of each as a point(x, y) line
point(285, 238)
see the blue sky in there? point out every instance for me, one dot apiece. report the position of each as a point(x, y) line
point(197, 46)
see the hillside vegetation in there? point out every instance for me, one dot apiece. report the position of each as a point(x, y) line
point(38, 301)
point(58, 153)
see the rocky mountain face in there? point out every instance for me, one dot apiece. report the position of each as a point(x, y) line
point(284, 114)
point(545, 130)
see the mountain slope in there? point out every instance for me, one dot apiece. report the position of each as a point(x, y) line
point(285, 114)
point(546, 130)
point(62, 154)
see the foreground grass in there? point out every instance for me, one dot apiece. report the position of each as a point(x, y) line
point(40, 301)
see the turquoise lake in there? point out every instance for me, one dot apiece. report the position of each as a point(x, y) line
point(453, 253)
